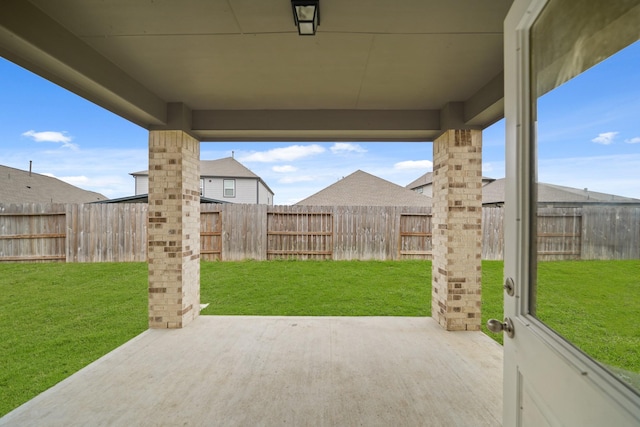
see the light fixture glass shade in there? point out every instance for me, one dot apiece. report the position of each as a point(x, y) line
point(306, 28)
point(306, 14)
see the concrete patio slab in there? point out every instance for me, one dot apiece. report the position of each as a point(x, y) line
point(283, 371)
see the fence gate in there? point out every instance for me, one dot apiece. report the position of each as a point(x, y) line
point(559, 234)
point(210, 236)
point(300, 235)
point(415, 236)
point(33, 233)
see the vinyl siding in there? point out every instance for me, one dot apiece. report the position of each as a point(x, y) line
point(142, 184)
point(264, 195)
point(427, 190)
point(248, 190)
point(245, 190)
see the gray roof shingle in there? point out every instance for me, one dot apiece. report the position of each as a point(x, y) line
point(227, 167)
point(427, 178)
point(363, 189)
point(18, 186)
point(493, 193)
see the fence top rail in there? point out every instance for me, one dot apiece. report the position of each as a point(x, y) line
point(31, 213)
point(299, 213)
point(299, 233)
point(548, 215)
point(33, 236)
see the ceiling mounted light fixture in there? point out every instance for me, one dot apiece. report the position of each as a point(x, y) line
point(306, 15)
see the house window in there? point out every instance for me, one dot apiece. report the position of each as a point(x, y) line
point(229, 186)
point(202, 187)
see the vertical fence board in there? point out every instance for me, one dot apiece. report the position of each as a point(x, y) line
point(72, 233)
point(492, 233)
point(210, 233)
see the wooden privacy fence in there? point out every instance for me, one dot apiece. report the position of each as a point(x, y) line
point(233, 232)
point(601, 232)
point(33, 233)
point(300, 235)
point(415, 235)
point(559, 233)
point(230, 232)
point(73, 233)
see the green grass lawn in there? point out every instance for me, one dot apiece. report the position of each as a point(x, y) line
point(317, 288)
point(57, 318)
point(596, 306)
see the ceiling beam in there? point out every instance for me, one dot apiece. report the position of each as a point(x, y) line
point(316, 125)
point(486, 106)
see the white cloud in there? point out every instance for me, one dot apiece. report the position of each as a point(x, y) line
point(605, 138)
point(284, 169)
point(635, 140)
point(487, 167)
point(51, 136)
point(294, 179)
point(284, 154)
point(346, 147)
point(48, 136)
point(414, 164)
point(78, 181)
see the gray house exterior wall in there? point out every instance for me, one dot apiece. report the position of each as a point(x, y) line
point(264, 195)
point(249, 188)
point(246, 190)
point(142, 184)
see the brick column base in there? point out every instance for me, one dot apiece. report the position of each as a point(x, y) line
point(457, 230)
point(174, 229)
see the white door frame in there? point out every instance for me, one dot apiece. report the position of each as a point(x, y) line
point(546, 380)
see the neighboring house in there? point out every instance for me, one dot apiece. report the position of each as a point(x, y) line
point(19, 186)
point(548, 194)
point(424, 184)
point(557, 196)
point(224, 180)
point(363, 189)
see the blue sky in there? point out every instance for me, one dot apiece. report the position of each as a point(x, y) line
point(589, 132)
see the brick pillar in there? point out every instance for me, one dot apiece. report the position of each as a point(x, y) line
point(457, 230)
point(174, 229)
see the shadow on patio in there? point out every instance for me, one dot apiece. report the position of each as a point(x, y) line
point(294, 371)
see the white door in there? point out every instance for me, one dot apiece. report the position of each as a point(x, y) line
point(553, 46)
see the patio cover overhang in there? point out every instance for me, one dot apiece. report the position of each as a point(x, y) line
point(377, 70)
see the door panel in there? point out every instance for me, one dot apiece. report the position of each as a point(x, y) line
point(548, 380)
point(536, 412)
